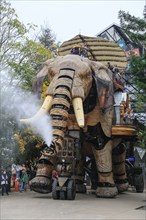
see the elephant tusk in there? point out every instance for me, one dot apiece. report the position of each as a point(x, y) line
point(79, 112)
point(43, 110)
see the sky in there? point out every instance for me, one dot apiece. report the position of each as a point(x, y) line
point(69, 18)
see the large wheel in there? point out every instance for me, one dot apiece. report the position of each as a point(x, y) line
point(62, 195)
point(55, 192)
point(71, 189)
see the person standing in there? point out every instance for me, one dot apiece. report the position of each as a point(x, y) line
point(23, 180)
point(128, 116)
point(4, 182)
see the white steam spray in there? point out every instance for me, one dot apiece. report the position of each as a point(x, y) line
point(19, 104)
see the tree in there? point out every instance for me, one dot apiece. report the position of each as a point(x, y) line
point(48, 40)
point(135, 29)
point(12, 33)
point(21, 57)
point(138, 69)
point(28, 145)
point(46, 37)
point(18, 52)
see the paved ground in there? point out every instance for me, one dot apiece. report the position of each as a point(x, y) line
point(33, 206)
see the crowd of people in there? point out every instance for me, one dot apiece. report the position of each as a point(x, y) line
point(17, 178)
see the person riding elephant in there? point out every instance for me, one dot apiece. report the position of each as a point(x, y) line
point(79, 97)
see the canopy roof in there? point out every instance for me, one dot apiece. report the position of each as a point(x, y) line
point(99, 49)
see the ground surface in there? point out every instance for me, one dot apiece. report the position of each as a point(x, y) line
point(33, 206)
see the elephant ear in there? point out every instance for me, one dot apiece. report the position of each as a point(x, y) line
point(41, 78)
point(104, 83)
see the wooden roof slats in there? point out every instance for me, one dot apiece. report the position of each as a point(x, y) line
point(99, 49)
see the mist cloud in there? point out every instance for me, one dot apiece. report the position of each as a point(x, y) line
point(20, 104)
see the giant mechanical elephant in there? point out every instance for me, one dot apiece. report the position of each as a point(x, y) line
point(80, 98)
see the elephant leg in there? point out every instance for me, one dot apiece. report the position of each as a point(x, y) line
point(106, 187)
point(42, 182)
point(119, 154)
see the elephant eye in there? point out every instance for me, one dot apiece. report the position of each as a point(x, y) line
point(51, 75)
point(84, 75)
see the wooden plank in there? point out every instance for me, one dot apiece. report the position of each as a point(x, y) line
point(123, 130)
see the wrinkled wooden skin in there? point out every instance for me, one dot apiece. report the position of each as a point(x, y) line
point(79, 72)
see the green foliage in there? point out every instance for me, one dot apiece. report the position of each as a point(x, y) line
point(142, 138)
point(7, 143)
point(144, 12)
point(135, 29)
point(12, 33)
point(138, 69)
point(47, 39)
point(32, 55)
point(28, 146)
point(22, 57)
point(18, 52)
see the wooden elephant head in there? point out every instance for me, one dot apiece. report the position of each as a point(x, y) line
point(77, 86)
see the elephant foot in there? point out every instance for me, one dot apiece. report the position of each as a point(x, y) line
point(42, 183)
point(106, 190)
point(122, 185)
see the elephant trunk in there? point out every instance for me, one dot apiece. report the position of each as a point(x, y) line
point(60, 106)
point(62, 99)
point(59, 114)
